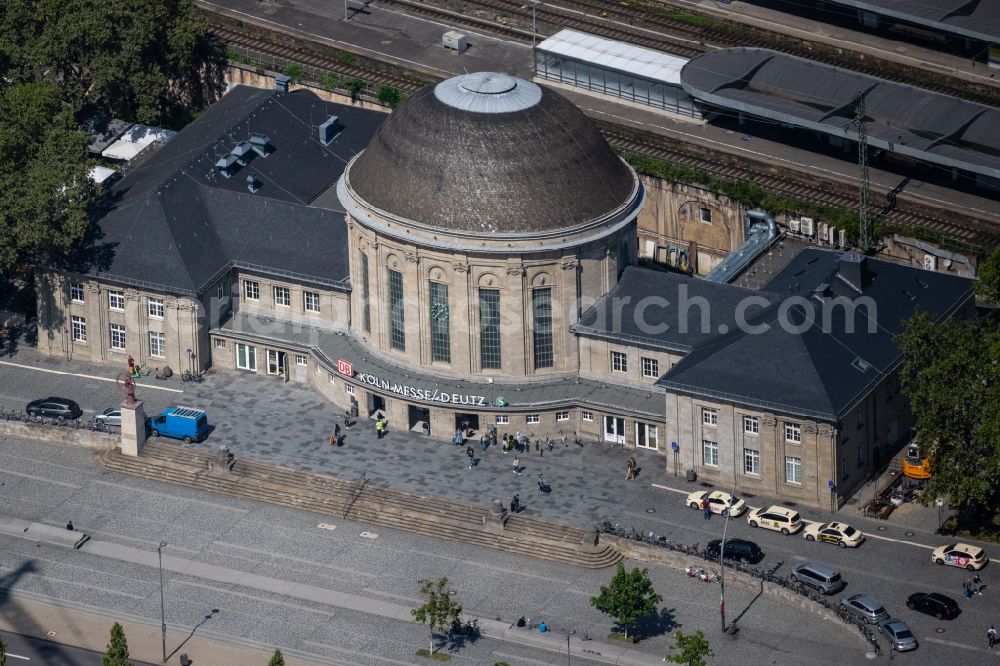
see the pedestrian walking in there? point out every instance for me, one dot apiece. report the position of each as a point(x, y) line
point(706, 509)
point(378, 428)
point(336, 431)
point(484, 441)
point(347, 420)
point(517, 466)
point(967, 589)
point(472, 455)
point(991, 636)
point(977, 585)
point(629, 471)
point(458, 437)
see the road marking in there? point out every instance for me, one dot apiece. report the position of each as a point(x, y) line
point(369, 535)
point(673, 490)
point(79, 374)
point(326, 526)
point(954, 644)
point(17, 656)
point(42, 479)
point(910, 543)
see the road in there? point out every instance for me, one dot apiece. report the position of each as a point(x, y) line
point(892, 564)
point(28, 651)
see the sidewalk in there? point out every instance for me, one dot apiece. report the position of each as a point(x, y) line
point(89, 628)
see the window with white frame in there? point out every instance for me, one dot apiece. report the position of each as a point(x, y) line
point(619, 363)
point(705, 215)
point(793, 432)
point(246, 357)
point(751, 425)
point(220, 343)
point(751, 462)
point(282, 296)
point(532, 418)
point(251, 290)
point(79, 329)
point(155, 308)
point(503, 419)
point(562, 416)
point(220, 291)
point(709, 417)
point(157, 344)
point(587, 416)
point(793, 469)
point(647, 436)
point(650, 367)
point(710, 452)
point(300, 359)
point(311, 301)
point(117, 336)
point(76, 292)
point(333, 379)
point(349, 389)
point(116, 300)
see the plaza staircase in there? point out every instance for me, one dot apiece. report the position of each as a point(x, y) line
point(363, 502)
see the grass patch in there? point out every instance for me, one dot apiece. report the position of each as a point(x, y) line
point(622, 638)
point(437, 656)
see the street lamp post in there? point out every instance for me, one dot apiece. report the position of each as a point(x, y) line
point(534, 22)
point(163, 615)
point(569, 658)
point(722, 567)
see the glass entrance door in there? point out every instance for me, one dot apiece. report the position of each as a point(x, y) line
point(614, 429)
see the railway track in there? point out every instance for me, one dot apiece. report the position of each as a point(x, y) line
point(970, 233)
point(634, 23)
point(233, 37)
point(974, 233)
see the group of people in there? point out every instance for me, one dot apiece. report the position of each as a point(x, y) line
point(972, 586)
point(516, 442)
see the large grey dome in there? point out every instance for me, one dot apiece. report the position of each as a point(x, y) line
point(491, 153)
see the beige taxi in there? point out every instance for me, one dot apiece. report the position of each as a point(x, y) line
point(777, 518)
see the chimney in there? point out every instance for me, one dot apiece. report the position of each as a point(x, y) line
point(281, 82)
point(852, 268)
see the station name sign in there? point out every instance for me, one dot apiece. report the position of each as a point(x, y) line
point(424, 394)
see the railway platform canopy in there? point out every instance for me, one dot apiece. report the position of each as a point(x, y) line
point(971, 19)
point(926, 126)
point(616, 69)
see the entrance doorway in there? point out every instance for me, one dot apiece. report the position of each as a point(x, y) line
point(614, 429)
point(275, 362)
point(419, 419)
point(471, 419)
point(376, 403)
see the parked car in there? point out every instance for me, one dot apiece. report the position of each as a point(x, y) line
point(863, 606)
point(938, 605)
point(112, 416)
point(777, 518)
point(820, 577)
point(899, 635)
point(960, 555)
point(54, 407)
point(185, 423)
point(718, 502)
point(841, 534)
point(740, 550)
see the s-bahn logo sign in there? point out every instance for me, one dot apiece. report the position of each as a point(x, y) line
point(345, 367)
point(418, 393)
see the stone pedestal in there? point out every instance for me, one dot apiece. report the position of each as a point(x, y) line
point(133, 428)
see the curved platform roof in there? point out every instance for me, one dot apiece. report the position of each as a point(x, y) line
point(928, 126)
point(976, 19)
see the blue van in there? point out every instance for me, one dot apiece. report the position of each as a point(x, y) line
point(185, 423)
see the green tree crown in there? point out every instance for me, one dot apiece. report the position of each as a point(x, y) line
point(629, 596)
point(117, 651)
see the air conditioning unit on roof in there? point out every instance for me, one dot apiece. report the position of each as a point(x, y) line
point(807, 226)
point(794, 225)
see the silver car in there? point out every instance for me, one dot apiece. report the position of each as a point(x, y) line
point(899, 635)
point(112, 416)
point(863, 606)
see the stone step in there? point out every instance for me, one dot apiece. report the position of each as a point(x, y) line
point(377, 505)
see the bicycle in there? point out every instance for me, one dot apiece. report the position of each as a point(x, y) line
point(197, 377)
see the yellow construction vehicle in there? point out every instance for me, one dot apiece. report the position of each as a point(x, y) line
point(915, 464)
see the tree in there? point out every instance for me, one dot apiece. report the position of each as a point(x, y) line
point(277, 659)
point(439, 610)
point(693, 649)
point(117, 652)
point(389, 96)
point(629, 596)
point(988, 287)
point(950, 374)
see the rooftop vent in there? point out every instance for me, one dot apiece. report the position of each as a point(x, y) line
point(260, 143)
point(328, 130)
point(227, 165)
point(252, 183)
point(242, 152)
point(281, 82)
point(861, 364)
point(853, 269)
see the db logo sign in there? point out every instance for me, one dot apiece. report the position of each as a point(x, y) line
point(345, 368)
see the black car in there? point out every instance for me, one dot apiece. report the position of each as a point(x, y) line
point(740, 550)
point(54, 407)
point(938, 605)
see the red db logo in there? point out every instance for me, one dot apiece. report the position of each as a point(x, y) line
point(345, 368)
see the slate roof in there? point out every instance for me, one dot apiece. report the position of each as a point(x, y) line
point(665, 310)
point(543, 168)
point(175, 222)
point(811, 372)
point(910, 121)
